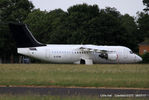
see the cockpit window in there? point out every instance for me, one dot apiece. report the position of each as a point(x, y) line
point(131, 52)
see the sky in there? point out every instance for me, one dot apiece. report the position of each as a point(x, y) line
point(130, 7)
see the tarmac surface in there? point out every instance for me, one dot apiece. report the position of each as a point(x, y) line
point(101, 92)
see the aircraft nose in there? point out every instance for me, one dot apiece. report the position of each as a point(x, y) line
point(138, 58)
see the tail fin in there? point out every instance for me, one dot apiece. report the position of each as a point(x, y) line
point(23, 36)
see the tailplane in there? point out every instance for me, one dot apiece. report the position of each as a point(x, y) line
point(23, 36)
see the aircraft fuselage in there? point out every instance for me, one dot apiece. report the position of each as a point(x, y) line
point(72, 54)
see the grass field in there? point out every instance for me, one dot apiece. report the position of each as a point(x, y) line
point(38, 97)
point(102, 75)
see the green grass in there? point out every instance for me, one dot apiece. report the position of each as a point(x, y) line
point(39, 97)
point(102, 75)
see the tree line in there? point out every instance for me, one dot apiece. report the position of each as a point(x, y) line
point(80, 24)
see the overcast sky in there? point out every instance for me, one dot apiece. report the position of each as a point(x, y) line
point(124, 6)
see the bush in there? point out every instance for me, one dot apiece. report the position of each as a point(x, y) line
point(145, 58)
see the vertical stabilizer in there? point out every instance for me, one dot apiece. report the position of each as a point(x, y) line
point(23, 36)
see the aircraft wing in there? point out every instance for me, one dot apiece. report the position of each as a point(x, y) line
point(104, 54)
point(94, 50)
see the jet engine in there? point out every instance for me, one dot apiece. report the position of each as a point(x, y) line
point(111, 56)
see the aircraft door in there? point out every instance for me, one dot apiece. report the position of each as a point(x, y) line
point(125, 54)
point(32, 52)
point(47, 55)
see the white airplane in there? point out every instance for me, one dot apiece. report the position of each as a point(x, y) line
point(77, 54)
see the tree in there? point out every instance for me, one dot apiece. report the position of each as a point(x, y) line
point(79, 17)
point(143, 25)
point(11, 11)
point(37, 23)
point(132, 35)
point(110, 27)
point(15, 10)
point(59, 32)
point(48, 27)
point(146, 3)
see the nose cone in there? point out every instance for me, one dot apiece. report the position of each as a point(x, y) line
point(138, 58)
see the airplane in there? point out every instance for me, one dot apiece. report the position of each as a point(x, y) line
point(70, 54)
